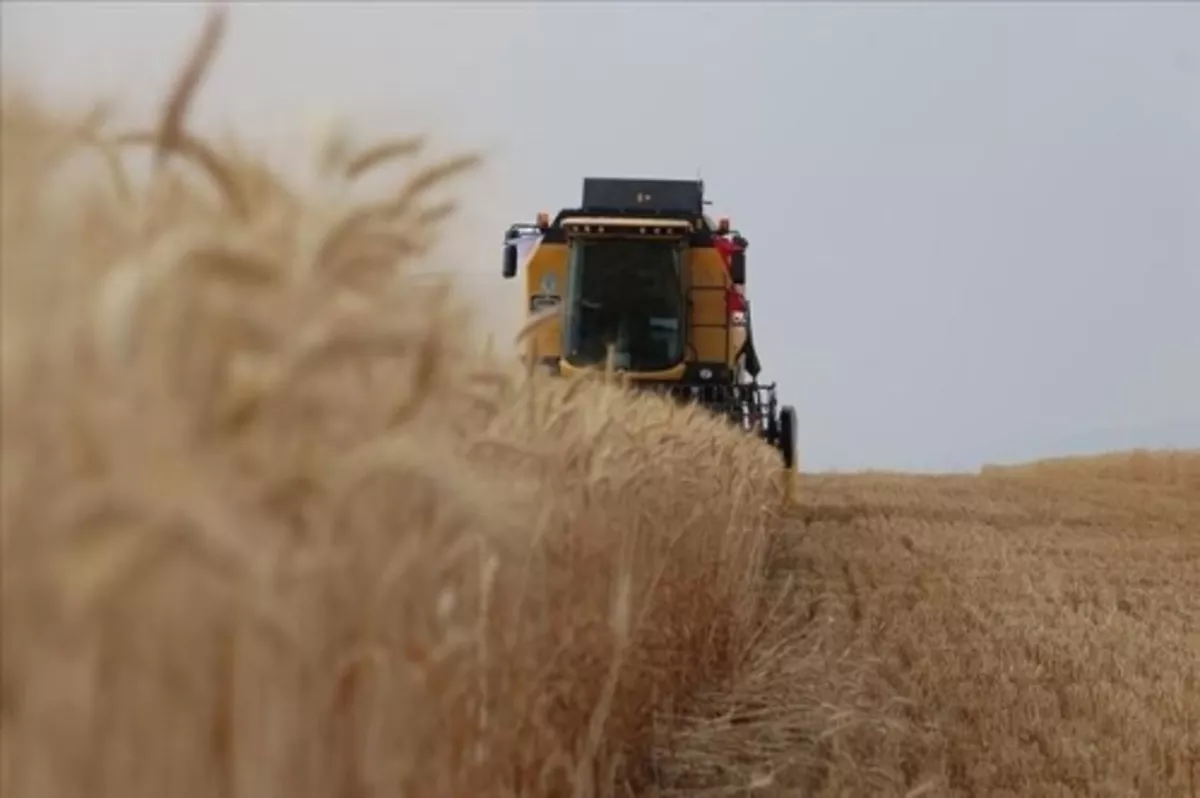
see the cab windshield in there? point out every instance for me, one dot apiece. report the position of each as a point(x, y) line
point(625, 293)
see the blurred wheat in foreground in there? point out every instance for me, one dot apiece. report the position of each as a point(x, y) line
point(273, 527)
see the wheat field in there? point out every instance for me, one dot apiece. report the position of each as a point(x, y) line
point(1005, 634)
point(275, 523)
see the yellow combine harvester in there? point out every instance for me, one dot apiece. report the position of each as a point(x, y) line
point(641, 275)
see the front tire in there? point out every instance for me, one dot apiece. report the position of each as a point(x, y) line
point(787, 436)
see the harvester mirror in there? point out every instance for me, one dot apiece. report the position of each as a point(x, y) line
point(737, 267)
point(510, 261)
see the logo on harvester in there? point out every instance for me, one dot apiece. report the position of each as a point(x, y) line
point(643, 197)
point(549, 284)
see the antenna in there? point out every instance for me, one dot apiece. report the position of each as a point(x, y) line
point(700, 180)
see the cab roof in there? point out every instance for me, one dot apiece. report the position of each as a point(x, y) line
point(623, 195)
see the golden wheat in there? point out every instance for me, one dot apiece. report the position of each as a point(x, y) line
point(272, 526)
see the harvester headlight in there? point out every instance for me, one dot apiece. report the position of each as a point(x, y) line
point(706, 374)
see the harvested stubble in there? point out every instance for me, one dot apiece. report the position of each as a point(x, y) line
point(1150, 466)
point(1012, 634)
point(272, 526)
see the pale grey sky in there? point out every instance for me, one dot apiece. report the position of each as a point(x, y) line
point(975, 227)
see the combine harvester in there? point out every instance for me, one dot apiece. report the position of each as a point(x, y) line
point(640, 280)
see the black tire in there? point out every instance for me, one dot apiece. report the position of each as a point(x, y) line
point(510, 261)
point(770, 430)
point(787, 436)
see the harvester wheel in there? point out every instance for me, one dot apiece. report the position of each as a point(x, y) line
point(771, 431)
point(787, 436)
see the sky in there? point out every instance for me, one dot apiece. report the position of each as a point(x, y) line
point(974, 227)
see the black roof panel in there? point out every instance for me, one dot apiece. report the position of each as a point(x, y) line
point(643, 195)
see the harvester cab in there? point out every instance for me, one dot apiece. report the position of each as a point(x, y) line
point(641, 280)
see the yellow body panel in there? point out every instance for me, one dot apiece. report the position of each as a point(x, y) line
point(545, 276)
point(706, 282)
